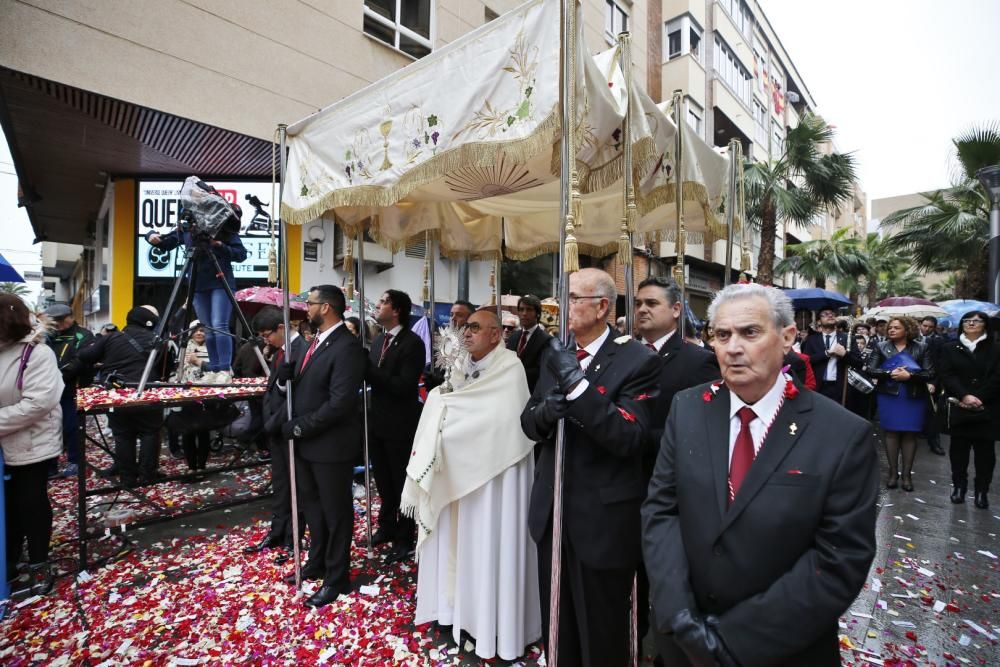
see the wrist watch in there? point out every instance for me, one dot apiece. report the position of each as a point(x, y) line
point(297, 431)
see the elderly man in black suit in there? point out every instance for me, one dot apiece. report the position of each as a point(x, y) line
point(270, 325)
point(759, 527)
point(531, 340)
point(603, 385)
point(657, 314)
point(327, 431)
point(395, 362)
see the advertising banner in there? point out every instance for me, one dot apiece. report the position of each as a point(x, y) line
point(158, 209)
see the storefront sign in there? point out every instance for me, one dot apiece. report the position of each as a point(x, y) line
point(158, 209)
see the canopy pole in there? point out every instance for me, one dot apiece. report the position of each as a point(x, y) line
point(363, 330)
point(430, 249)
point(568, 263)
point(627, 239)
point(734, 159)
point(680, 243)
point(286, 318)
point(499, 291)
point(625, 256)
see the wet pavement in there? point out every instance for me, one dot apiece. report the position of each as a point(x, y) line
point(933, 594)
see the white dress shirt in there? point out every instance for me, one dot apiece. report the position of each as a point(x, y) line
point(766, 409)
point(592, 350)
point(659, 342)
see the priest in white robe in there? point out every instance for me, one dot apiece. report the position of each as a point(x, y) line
point(468, 485)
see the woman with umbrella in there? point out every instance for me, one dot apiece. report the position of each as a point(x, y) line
point(903, 368)
point(970, 372)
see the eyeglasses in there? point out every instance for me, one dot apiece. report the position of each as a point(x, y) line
point(576, 298)
point(476, 327)
point(973, 320)
point(264, 334)
point(509, 327)
point(315, 303)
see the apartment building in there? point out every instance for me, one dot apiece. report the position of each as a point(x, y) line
point(108, 105)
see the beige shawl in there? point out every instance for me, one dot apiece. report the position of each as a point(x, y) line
point(466, 438)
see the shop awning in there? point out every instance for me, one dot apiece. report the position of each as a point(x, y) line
point(66, 142)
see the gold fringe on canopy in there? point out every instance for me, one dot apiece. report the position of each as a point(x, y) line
point(476, 154)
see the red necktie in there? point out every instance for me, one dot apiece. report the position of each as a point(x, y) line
point(522, 343)
point(743, 452)
point(309, 353)
point(278, 358)
point(581, 354)
point(385, 346)
point(651, 346)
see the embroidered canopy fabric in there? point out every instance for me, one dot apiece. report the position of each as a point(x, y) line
point(464, 143)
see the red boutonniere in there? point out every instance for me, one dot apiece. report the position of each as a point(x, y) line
point(711, 391)
point(791, 391)
point(641, 397)
point(601, 389)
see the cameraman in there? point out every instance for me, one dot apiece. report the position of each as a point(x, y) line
point(211, 302)
point(123, 357)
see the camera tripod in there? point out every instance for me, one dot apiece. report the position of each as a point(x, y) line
point(199, 248)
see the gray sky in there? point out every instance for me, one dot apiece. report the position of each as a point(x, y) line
point(15, 230)
point(898, 79)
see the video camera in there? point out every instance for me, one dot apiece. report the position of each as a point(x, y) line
point(205, 213)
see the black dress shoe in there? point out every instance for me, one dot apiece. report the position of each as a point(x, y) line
point(936, 449)
point(270, 541)
point(381, 536)
point(399, 552)
point(981, 501)
point(907, 484)
point(892, 482)
point(308, 573)
point(958, 495)
point(325, 595)
point(282, 558)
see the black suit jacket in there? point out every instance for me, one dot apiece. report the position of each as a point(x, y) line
point(605, 431)
point(395, 405)
point(814, 346)
point(325, 399)
point(274, 410)
point(685, 365)
point(531, 358)
point(790, 555)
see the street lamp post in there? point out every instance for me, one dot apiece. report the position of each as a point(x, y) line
point(990, 178)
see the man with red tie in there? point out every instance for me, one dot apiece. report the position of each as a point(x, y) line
point(759, 525)
point(394, 366)
point(603, 385)
point(326, 427)
point(531, 339)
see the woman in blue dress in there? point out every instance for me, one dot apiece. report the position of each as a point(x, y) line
point(902, 367)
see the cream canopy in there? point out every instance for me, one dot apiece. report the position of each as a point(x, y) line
point(464, 144)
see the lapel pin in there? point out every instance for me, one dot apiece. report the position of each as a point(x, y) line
point(597, 367)
point(793, 428)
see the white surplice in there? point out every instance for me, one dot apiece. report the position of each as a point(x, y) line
point(478, 570)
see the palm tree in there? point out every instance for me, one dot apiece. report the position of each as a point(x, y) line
point(903, 282)
point(19, 289)
point(794, 188)
point(836, 258)
point(950, 230)
point(944, 290)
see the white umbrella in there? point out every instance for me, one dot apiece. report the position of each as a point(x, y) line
point(916, 311)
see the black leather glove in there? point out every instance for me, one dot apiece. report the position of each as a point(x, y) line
point(285, 372)
point(550, 410)
point(286, 430)
point(564, 365)
point(700, 642)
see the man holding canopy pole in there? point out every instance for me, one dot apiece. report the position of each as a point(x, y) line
point(327, 432)
point(602, 385)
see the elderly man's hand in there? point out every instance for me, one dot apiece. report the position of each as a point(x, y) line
point(563, 365)
point(699, 640)
point(552, 408)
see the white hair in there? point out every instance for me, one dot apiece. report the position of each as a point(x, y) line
point(778, 302)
